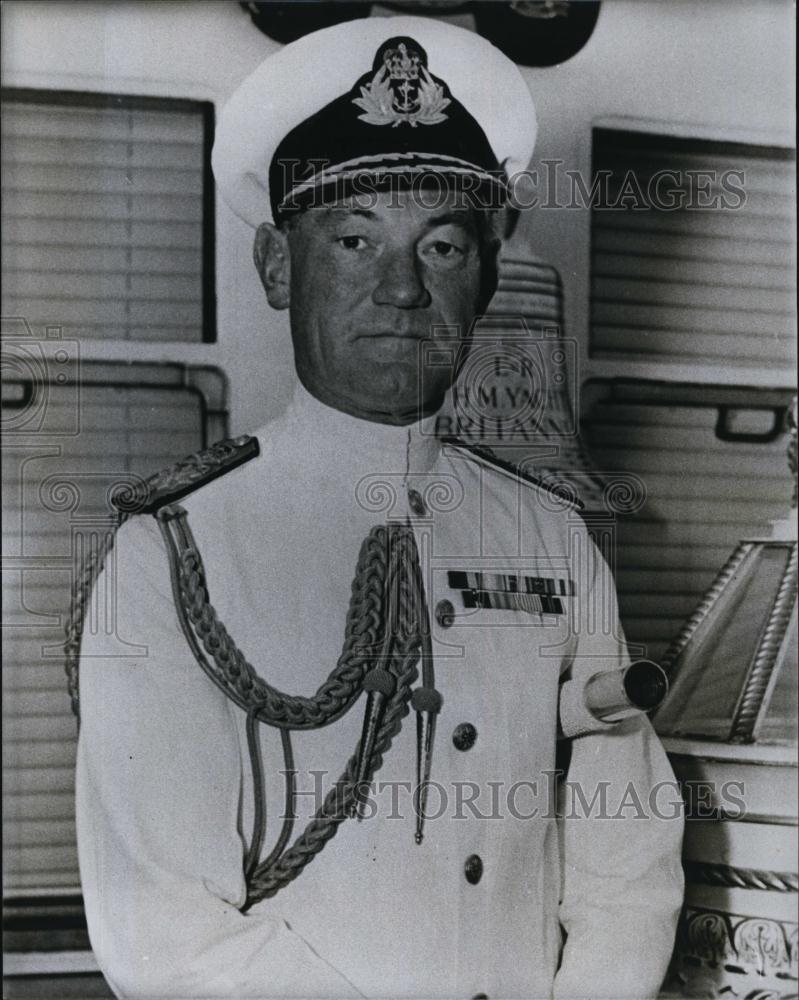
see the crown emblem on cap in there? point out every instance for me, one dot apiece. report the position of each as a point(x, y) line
point(402, 90)
point(402, 64)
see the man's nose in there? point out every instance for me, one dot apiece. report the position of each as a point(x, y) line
point(400, 281)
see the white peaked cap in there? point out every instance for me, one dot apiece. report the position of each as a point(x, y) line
point(301, 79)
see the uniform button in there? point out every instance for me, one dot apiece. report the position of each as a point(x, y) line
point(464, 736)
point(416, 503)
point(473, 869)
point(480, 996)
point(445, 614)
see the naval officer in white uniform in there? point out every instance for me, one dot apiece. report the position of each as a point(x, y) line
point(181, 791)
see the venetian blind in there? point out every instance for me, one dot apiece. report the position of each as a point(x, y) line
point(684, 267)
point(108, 215)
point(128, 420)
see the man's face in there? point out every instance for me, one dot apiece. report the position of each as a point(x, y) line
point(369, 282)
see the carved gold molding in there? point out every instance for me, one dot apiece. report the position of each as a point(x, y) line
point(731, 951)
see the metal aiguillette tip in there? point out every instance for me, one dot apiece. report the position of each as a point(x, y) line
point(427, 703)
point(379, 685)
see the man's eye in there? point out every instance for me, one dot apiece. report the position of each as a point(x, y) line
point(441, 248)
point(352, 242)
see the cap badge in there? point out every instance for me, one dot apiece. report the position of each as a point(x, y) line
point(402, 91)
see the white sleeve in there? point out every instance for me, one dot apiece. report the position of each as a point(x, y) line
point(158, 789)
point(622, 876)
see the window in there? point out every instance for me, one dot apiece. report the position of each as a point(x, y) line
point(685, 269)
point(683, 265)
point(108, 219)
point(108, 215)
point(131, 420)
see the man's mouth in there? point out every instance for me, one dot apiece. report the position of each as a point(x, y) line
point(396, 334)
point(383, 344)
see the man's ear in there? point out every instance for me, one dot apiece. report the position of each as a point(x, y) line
point(489, 274)
point(273, 263)
point(510, 221)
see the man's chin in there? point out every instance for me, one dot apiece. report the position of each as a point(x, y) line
point(397, 410)
point(392, 399)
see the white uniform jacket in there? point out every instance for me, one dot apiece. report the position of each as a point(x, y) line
point(582, 906)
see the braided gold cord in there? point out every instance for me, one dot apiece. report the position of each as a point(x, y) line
point(267, 881)
point(76, 618)
point(385, 550)
point(240, 679)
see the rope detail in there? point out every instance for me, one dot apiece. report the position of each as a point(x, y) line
point(741, 878)
point(79, 601)
point(386, 628)
point(751, 698)
point(723, 577)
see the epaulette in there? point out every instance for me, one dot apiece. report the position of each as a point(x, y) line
point(190, 473)
point(489, 457)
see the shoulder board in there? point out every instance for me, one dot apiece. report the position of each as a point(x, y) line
point(487, 456)
point(189, 474)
